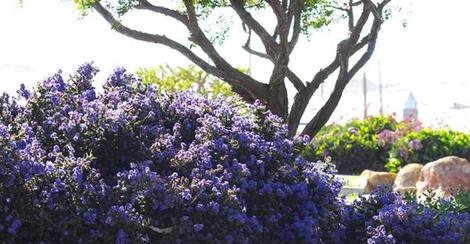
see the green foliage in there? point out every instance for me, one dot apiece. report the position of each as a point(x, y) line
point(355, 145)
point(316, 13)
point(84, 5)
point(457, 203)
point(428, 145)
point(124, 6)
point(393, 165)
point(461, 201)
point(185, 78)
point(351, 198)
point(379, 143)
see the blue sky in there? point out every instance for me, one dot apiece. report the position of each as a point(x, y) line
point(429, 57)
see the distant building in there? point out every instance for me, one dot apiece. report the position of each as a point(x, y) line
point(410, 110)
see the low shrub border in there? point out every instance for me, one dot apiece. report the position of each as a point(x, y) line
point(381, 143)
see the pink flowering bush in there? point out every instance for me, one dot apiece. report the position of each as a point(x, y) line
point(131, 165)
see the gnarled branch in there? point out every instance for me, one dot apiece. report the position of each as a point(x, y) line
point(144, 4)
point(158, 39)
point(345, 76)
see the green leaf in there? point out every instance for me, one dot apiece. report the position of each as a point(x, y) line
point(183, 79)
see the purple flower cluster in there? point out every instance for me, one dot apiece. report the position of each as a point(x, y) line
point(385, 217)
point(387, 137)
point(415, 144)
point(133, 165)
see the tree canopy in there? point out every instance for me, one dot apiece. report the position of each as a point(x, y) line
point(293, 18)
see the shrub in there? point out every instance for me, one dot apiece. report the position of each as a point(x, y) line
point(356, 145)
point(380, 143)
point(132, 165)
point(384, 217)
point(185, 78)
point(428, 145)
point(459, 202)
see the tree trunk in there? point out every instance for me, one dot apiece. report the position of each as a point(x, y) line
point(278, 100)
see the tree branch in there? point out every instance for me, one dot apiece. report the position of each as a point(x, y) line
point(252, 86)
point(345, 76)
point(295, 14)
point(352, 46)
point(350, 16)
point(357, 29)
point(198, 36)
point(158, 39)
point(278, 98)
point(269, 44)
point(276, 33)
point(282, 59)
point(296, 81)
point(325, 112)
point(302, 99)
point(230, 74)
point(371, 39)
point(144, 4)
point(256, 53)
point(357, 3)
point(366, 56)
point(338, 8)
point(269, 41)
point(277, 9)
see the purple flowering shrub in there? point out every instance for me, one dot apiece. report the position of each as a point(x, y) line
point(385, 217)
point(133, 165)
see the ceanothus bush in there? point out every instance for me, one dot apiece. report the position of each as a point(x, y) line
point(387, 218)
point(132, 165)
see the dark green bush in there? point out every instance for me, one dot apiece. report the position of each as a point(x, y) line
point(381, 143)
point(428, 145)
point(356, 145)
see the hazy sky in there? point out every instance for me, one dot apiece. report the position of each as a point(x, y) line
point(429, 57)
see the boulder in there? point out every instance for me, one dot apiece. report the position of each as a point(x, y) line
point(444, 176)
point(372, 179)
point(407, 178)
